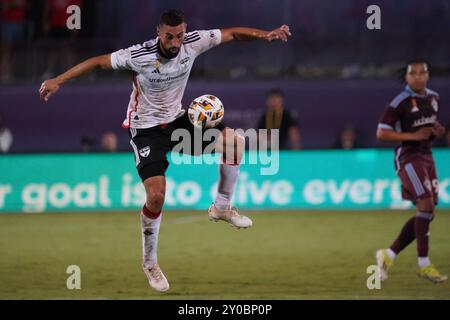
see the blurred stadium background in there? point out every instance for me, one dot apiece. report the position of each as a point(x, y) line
point(318, 221)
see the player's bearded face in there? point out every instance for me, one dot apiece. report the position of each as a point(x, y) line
point(417, 76)
point(171, 39)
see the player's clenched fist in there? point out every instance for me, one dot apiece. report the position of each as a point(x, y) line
point(48, 88)
point(438, 130)
point(282, 33)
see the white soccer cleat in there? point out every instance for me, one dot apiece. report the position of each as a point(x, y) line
point(231, 216)
point(384, 262)
point(156, 278)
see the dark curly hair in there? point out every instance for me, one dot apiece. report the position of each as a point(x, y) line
point(172, 18)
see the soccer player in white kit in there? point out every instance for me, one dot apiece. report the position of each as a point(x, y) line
point(161, 68)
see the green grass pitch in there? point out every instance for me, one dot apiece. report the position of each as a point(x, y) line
point(285, 255)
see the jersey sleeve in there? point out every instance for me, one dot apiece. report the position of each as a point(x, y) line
point(203, 40)
point(389, 118)
point(436, 103)
point(131, 58)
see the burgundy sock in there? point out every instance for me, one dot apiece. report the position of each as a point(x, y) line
point(422, 227)
point(406, 236)
point(149, 214)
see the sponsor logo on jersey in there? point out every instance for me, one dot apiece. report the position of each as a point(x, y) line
point(424, 120)
point(144, 152)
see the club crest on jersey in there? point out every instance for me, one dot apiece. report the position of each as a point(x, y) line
point(144, 152)
point(184, 61)
point(434, 104)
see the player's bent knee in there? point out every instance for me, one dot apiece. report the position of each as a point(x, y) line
point(155, 200)
point(155, 188)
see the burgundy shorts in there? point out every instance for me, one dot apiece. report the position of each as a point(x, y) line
point(419, 181)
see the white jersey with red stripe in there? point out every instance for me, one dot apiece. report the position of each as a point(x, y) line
point(159, 83)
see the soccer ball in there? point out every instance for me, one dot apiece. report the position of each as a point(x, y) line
point(206, 111)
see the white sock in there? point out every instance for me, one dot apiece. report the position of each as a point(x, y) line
point(424, 262)
point(228, 175)
point(150, 232)
point(391, 254)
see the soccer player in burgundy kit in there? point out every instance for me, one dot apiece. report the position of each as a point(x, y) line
point(411, 119)
point(161, 69)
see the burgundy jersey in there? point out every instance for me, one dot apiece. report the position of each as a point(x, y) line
point(408, 112)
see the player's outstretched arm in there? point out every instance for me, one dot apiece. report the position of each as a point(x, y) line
point(247, 34)
point(394, 136)
point(49, 87)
